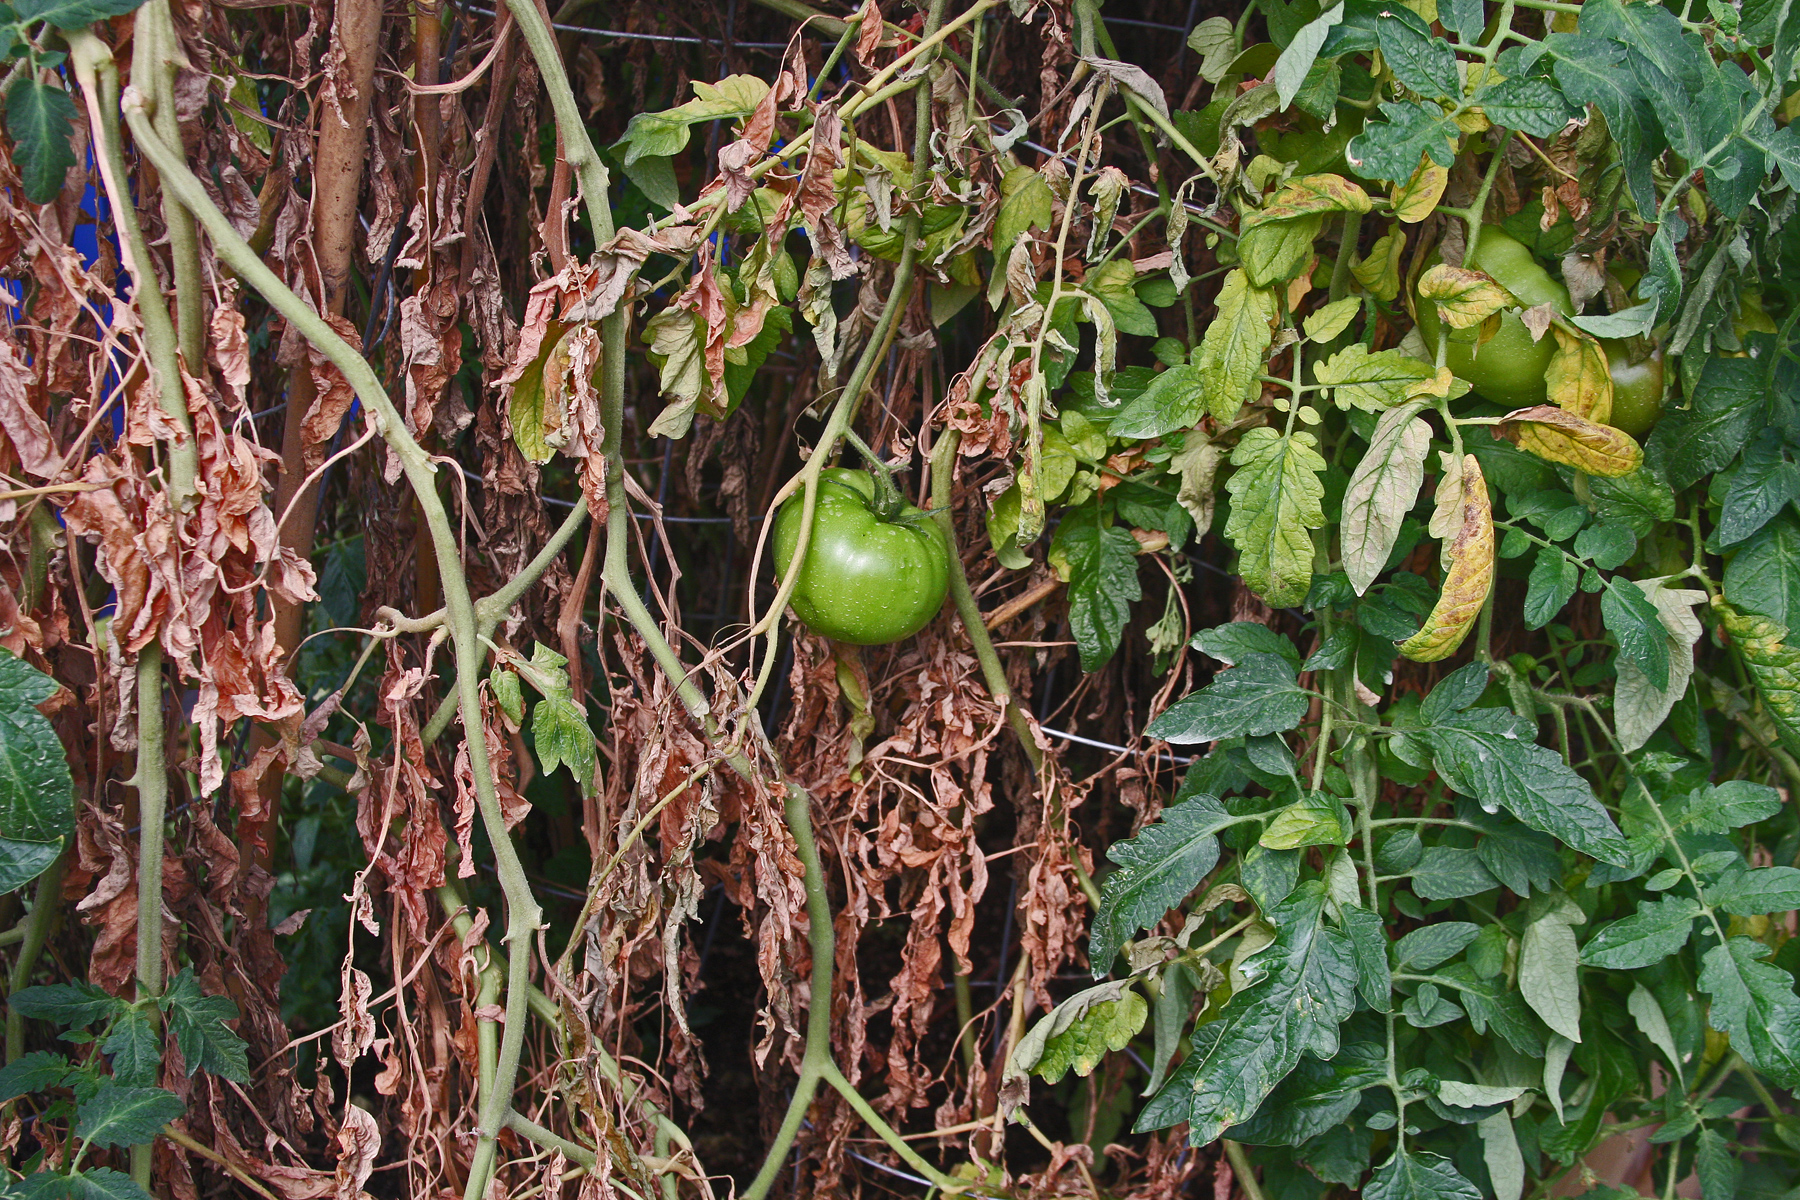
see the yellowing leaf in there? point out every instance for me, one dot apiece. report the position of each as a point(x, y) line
point(1562, 437)
point(1774, 665)
point(1380, 272)
point(1372, 382)
point(1275, 242)
point(1332, 320)
point(1235, 346)
point(1417, 198)
point(1468, 580)
point(1276, 496)
point(1447, 508)
point(1579, 379)
point(1463, 297)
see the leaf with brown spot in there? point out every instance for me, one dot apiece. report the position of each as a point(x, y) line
point(1562, 437)
point(1463, 297)
point(1417, 198)
point(1468, 579)
point(1579, 378)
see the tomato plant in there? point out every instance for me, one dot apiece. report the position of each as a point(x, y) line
point(1327, 723)
point(870, 577)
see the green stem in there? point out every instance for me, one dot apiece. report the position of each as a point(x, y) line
point(156, 55)
point(1241, 1168)
point(573, 1151)
point(151, 779)
point(45, 909)
point(99, 78)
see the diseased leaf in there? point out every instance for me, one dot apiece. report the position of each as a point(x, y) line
point(1276, 495)
point(1639, 707)
point(1774, 665)
point(1107, 1026)
point(1464, 297)
point(1030, 1053)
point(1382, 490)
point(1562, 437)
point(1578, 377)
point(1175, 399)
point(1157, 869)
point(1418, 197)
point(1372, 382)
point(1467, 581)
point(1276, 241)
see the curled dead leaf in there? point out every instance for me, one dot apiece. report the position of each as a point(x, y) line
point(1468, 579)
point(1560, 436)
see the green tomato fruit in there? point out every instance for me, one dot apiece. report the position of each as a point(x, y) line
point(866, 580)
point(1637, 387)
point(1509, 367)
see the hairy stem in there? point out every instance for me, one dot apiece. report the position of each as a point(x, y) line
point(45, 909)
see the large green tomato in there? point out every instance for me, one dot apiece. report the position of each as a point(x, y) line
point(867, 579)
point(1509, 367)
point(1637, 386)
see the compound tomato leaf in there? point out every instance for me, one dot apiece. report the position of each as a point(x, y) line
point(1372, 382)
point(125, 1116)
point(1774, 665)
point(1578, 378)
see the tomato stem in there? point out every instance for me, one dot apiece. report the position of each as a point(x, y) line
point(888, 503)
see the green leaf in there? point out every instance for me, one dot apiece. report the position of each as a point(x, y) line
point(1175, 399)
point(1548, 975)
point(503, 686)
point(72, 14)
point(1372, 382)
point(1763, 577)
point(1414, 1176)
point(1103, 583)
point(1276, 501)
point(1029, 1054)
point(1500, 1152)
point(1455, 692)
point(199, 1024)
point(1382, 490)
point(1754, 892)
point(1774, 665)
point(1230, 643)
point(1315, 1098)
point(1421, 63)
point(37, 796)
point(1450, 873)
point(1728, 405)
point(1257, 696)
point(37, 1071)
point(560, 732)
point(1113, 284)
point(1727, 806)
point(135, 1050)
point(1639, 706)
point(1637, 626)
point(1489, 754)
point(1552, 582)
point(1297, 58)
point(1236, 345)
point(1431, 945)
point(125, 1116)
point(659, 134)
point(40, 117)
point(1157, 870)
point(1368, 942)
point(1391, 148)
point(1755, 1003)
point(1303, 986)
point(1107, 1026)
point(97, 1183)
point(1660, 928)
point(1764, 484)
point(1316, 819)
point(1592, 70)
point(1531, 105)
point(1717, 1167)
point(71, 1005)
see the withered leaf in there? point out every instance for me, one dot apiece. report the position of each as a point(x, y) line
point(1468, 579)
